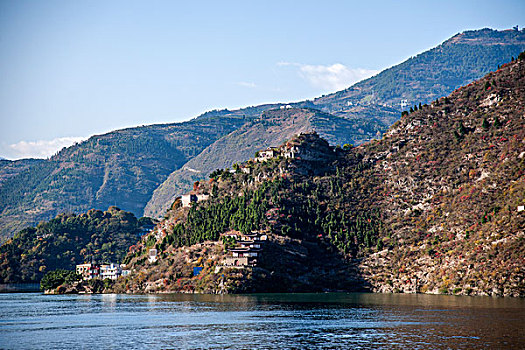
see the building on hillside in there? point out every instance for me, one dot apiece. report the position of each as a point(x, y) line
point(291, 152)
point(247, 251)
point(152, 255)
point(245, 169)
point(187, 199)
point(307, 146)
point(244, 252)
point(238, 262)
point(91, 271)
point(242, 257)
point(256, 244)
point(111, 271)
point(267, 154)
point(88, 271)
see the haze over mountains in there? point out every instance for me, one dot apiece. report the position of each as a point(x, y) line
point(126, 167)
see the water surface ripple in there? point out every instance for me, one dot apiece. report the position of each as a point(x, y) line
point(260, 321)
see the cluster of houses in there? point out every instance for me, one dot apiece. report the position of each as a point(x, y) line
point(92, 270)
point(247, 250)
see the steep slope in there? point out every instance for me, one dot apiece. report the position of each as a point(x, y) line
point(432, 208)
point(453, 178)
point(122, 167)
point(434, 73)
point(373, 104)
point(273, 128)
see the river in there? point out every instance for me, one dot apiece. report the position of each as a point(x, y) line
point(260, 321)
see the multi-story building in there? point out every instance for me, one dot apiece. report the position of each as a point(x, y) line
point(92, 270)
point(88, 271)
point(111, 271)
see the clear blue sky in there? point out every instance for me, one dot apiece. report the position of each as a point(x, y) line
point(71, 69)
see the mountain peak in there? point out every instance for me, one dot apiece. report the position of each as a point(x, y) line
point(487, 36)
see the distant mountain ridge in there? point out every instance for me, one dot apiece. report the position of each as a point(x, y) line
point(434, 73)
point(125, 167)
point(372, 104)
point(121, 167)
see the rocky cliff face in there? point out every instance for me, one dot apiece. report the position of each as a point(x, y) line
point(453, 177)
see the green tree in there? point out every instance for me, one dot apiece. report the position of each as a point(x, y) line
point(55, 278)
point(486, 124)
point(497, 123)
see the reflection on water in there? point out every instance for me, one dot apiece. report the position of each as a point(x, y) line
point(260, 321)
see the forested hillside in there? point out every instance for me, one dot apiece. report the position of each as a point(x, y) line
point(67, 240)
point(122, 167)
point(273, 128)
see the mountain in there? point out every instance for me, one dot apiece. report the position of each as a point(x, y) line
point(432, 207)
point(373, 104)
point(10, 168)
point(452, 179)
point(434, 73)
point(65, 241)
point(121, 167)
point(125, 167)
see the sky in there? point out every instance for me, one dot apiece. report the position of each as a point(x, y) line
point(72, 69)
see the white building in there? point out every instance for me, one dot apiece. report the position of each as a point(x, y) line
point(267, 154)
point(152, 255)
point(111, 271)
point(88, 271)
point(187, 199)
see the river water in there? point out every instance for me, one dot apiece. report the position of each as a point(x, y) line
point(260, 321)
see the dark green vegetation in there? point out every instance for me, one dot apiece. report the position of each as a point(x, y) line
point(242, 213)
point(125, 167)
point(431, 208)
point(55, 278)
point(65, 241)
